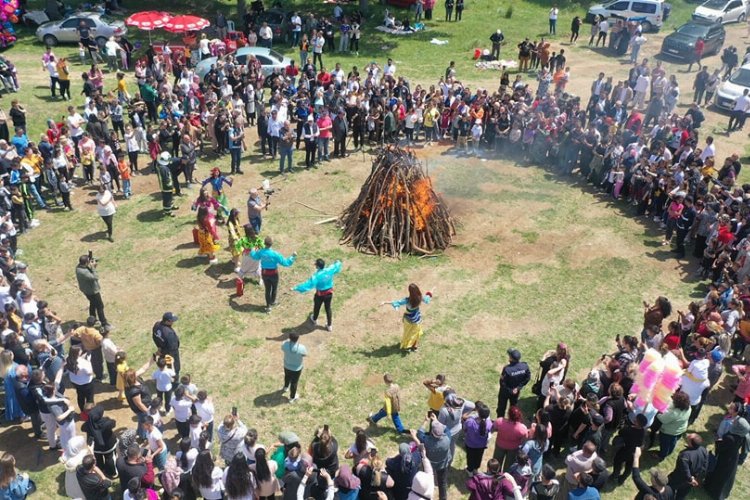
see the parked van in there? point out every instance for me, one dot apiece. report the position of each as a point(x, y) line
point(650, 13)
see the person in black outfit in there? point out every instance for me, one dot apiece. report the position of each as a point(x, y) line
point(459, 9)
point(684, 223)
point(691, 467)
point(613, 410)
point(98, 429)
point(167, 341)
point(629, 438)
point(132, 464)
point(340, 131)
point(94, 484)
point(514, 377)
point(658, 489)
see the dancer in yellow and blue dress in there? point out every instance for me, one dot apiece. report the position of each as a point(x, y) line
point(412, 316)
point(322, 282)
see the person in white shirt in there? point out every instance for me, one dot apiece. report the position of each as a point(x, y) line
point(155, 443)
point(109, 350)
point(208, 477)
point(390, 69)
point(111, 48)
point(186, 456)
point(296, 28)
point(317, 44)
point(181, 404)
point(274, 130)
point(204, 408)
point(164, 376)
point(338, 76)
point(642, 85)
point(603, 30)
point(739, 112)
point(51, 66)
point(80, 374)
point(204, 50)
point(709, 151)
point(75, 125)
point(106, 207)
point(553, 12)
point(265, 35)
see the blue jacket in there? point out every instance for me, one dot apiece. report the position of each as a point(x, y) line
point(322, 279)
point(271, 259)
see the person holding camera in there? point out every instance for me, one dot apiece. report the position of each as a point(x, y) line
point(88, 284)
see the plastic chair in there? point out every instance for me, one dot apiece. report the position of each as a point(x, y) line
point(230, 25)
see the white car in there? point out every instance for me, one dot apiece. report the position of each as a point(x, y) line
point(101, 26)
point(731, 89)
point(270, 61)
point(722, 11)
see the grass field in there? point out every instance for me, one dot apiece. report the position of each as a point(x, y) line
point(536, 260)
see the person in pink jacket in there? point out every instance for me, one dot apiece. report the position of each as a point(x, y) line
point(511, 434)
point(742, 393)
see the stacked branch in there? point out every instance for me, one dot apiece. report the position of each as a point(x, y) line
point(397, 210)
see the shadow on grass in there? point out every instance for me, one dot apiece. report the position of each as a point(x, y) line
point(275, 398)
point(383, 351)
point(97, 236)
point(245, 308)
point(303, 328)
point(153, 215)
point(185, 246)
point(195, 261)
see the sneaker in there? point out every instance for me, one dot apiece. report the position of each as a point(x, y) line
point(370, 420)
point(285, 389)
point(213, 261)
point(312, 320)
point(294, 399)
point(657, 218)
point(329, 328)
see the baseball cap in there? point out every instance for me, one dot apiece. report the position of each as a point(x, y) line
point(515, 354)
point(168, 316)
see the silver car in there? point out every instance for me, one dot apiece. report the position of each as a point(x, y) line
point(101, 26)
point(270, 60)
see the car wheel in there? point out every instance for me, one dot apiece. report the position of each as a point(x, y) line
point(741, 19)
point(49, 40)
point(101, 41)
point(647, 26)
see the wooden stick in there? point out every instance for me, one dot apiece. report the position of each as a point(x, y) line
point(311, 208)
point(326, 221)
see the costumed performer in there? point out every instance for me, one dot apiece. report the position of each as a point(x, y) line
point(207, 236)
point(251, 241)
point(412, 317)
point(217, 181)
point(270, 260)
point(322, 282)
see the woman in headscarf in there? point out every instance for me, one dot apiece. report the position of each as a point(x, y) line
point(72, 457)
point(402, 468)
point(99, 428)
point(728, 449)
point(347, 483)
point(412, 317)
point(8, 372)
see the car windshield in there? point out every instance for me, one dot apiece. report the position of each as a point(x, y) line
point(741, 77)
point(695, 30)
point(276, 55)
point(107, 19)
point(715, 4)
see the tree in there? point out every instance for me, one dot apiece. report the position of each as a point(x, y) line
point(241, 9)
point(363, 5)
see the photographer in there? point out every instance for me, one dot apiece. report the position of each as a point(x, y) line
point(88, 284)
point(255, 207)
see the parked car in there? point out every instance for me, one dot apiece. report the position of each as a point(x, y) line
point(102, 27)
point(722, 11)
point(651, 13)
point(731, 89)
point(681, 43)
point(270, 60)
point(278, 20)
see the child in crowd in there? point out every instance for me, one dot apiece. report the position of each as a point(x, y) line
point(121, 365)
point(164, 376)
point(110, 350)
point(154, 410)
point(204, 408)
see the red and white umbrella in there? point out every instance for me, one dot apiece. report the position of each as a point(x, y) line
point(182, 24)
point(148, 20)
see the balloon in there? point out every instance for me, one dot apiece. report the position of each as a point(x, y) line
point(14, 19)
point(8, 9)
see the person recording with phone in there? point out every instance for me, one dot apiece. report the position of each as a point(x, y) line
point(88, 284)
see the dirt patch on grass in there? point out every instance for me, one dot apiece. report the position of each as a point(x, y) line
point(487, 326)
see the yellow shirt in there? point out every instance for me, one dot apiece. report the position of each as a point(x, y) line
point(34, 161)
point(430, 116)
point(436, 399)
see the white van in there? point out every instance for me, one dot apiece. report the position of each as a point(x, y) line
point(650, 13)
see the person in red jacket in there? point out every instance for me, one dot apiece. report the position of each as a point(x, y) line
point(697, 54)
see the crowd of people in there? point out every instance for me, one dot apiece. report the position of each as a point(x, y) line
point(626, 138)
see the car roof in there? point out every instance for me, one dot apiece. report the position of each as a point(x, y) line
point(82, 14)
point(252, 50)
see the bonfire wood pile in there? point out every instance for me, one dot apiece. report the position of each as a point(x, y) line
point(397, 211)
